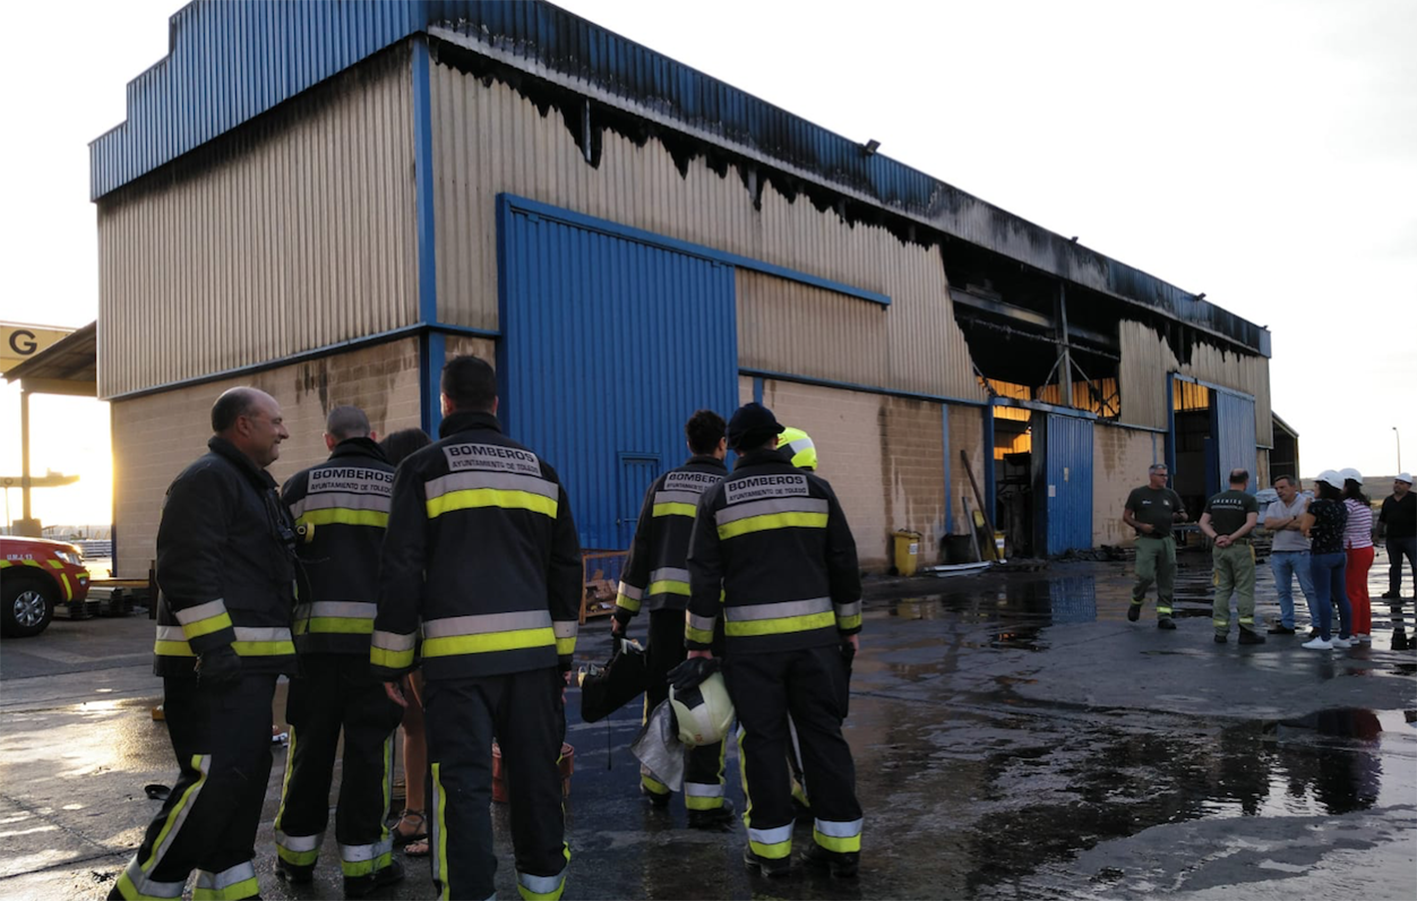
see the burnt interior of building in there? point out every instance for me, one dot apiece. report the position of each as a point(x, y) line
point(1193, 409)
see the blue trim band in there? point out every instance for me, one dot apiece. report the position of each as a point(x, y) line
point(988, 466)
point(867, 389)
point(313, 354)
point(1042, 407)
point(432, 354)
point(423, 183)
point(1211, 385)
point(605, 226)
point(757, 389)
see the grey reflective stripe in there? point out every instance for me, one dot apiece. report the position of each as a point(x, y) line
point(344, 609)
point(775, 505)
point(838, 829)
point(251, 633)
point(227, 877)
point(799, 446)
point(171, 633)
point(669, 574)
point(565, 628)
point(359, 853)
point(344, 500)
point(502, 481)
point(201, 612)
point(150, 889)
point(393, 641)
point(541, 885)
point(299, 842)
point(778, 611)
point(677, 497)
point(852, 609)
point(771, 836)
point(631, 592)
point(487, 622)
point(703, 790)
point(702, 623)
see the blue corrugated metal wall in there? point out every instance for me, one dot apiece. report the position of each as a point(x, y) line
point(1069, 482)
point(609, 345)
point(1234, 436)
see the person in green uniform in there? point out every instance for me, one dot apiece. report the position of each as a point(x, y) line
point(1152, 510)
point(1228, 519)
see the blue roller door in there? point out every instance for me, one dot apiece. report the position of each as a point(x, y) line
point(1234, 437)
point(1068, 470)
point(609, 343)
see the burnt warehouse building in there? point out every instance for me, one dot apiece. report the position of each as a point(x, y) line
point(328, 200)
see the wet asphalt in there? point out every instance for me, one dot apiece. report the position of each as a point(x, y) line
point(1014, 737)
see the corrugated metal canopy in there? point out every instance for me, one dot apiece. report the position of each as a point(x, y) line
point(73, 358)
point(229, 62)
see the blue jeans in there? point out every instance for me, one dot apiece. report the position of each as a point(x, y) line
point(1327, 570)
point(1286, 565)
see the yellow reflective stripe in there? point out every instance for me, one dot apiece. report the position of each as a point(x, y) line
point(263, 648)
point(365, 867)
point(775, 851)
point(652, 784)
point(844, 845)
point(246, 888)
point(56, 564)
point(207, 626)
point(627, 602)
point(702, 636)
point(772, 521)
point(164, 648)
point(298, 858)
point(473, 498)
point(513, 640)
point(344, 516)
point(1163, 611)
point(68, 589)
point(566, 646)
point(848, 622)
point(343, 624)
point(390, 659)
point(674, 509)
point(780, 625)
point(669, 586)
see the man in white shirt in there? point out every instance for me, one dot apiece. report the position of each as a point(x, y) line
point(1289, 554)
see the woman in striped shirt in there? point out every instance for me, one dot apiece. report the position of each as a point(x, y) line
point(1358, 546)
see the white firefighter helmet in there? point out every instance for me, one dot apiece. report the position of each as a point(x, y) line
point(704, 712)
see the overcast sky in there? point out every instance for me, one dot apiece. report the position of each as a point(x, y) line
point(1262, 152)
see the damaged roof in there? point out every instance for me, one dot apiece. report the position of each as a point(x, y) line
point(229, 62)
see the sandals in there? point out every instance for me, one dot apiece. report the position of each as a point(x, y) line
point(417, 848)
point(419, 832)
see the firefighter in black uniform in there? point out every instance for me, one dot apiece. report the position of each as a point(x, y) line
point(341, 510)
point(226, 574)
point(482, 557)
point(773, 554)
point(656, 578)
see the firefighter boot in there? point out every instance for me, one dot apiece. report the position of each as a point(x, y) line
point(841, 864)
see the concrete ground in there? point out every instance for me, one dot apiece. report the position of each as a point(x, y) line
point(1014, 736)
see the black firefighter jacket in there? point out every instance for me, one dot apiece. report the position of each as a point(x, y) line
point(481, 558)
point(656, 574)
point(226, 566)
point(773, 539)
point(341, 509)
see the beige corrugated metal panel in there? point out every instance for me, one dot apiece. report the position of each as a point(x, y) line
point(488, 140)
point(794, 328)
point(294, 233)
point(1147, 360)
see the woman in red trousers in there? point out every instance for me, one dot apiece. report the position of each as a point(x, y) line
point(1358, 546)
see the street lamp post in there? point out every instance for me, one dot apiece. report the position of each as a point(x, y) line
point(1398, 435)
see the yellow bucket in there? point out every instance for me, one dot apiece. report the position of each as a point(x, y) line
point(907, 552)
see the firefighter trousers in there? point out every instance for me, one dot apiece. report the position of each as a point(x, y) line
point(222, 739)
point(811, 686)
point(703, 771)
point(334, 693)
point(524, 712)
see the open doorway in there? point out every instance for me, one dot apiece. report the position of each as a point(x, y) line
point(1193, 470)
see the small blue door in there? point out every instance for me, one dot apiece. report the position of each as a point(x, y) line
point(637, 472)
point(1068, 483)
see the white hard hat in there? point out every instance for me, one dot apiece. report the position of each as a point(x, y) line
point(1331, 476)
point(1351, 473)
point(1404, 477)
point(704, 712)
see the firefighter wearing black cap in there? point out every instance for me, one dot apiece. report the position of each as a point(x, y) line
point(341, 510)
point(226, 577)
point(482, 559)
point(656, 579)
point(772, 554)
